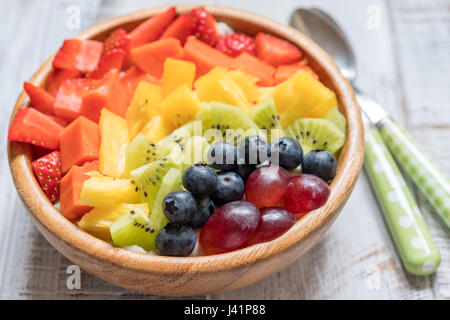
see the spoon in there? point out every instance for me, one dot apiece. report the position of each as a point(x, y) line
point(416, 248)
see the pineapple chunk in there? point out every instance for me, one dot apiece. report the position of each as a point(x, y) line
point(101, 191)
point(180, 107)
point(247, 83)
point(177, 73)
point(114, 142)
point(217, 85)
point(98, 220)
point(143, 106)
point(300, 95)
point(156, 129)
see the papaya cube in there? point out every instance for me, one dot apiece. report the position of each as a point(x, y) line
point(256, 67)
point(180, 107)
point(70, 98)
point(151, 57)
point(177, 73)
point(79, 143)
point(70, 186)
point(114, 142)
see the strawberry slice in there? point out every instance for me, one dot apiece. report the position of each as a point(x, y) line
point(119, 39)
point(57, 77)
point(180, 28)
point(48, 172)
point(32, 126)
point(112, 60)
point(235, 44)
point(275, 51)
point(39, 98)
point(152, 29)
point(204, 26)
point(82, 55)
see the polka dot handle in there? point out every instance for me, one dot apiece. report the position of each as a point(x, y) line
point(419, 167)
point(418, 252)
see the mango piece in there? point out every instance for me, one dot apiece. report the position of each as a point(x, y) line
point(180, 106)
point(156, 129)
point(114, 142)
point(177, 73)
point(247, 83)
point(217, 85)
point(143, 106)
point(97, 221)
point(102, 191)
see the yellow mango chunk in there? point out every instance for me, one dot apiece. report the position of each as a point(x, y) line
point(114, 142)
point(102, 191)
point(247, 83)
point(156, 129)
point(180, 106)
point(97, 221)
point(177, 73)
point(143, 107)
point(217, 85)
point(300, 95)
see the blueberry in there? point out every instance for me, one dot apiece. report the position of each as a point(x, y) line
point(222, 156)
point(320, 163)
point(287, 153)
point(179, 207)
point(244, 170)
point(230, 187)
point(176, 240)
point(254, 150)
point(200, 179)
point(205, 208)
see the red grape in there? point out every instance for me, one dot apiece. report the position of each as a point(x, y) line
point(266, 186)
point(229, 227)
point(273, 223)
point(305, 193)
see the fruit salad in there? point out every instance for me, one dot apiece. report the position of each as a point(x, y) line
point(182, 137)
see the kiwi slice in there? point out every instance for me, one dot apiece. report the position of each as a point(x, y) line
point(170, 183)
point(229, 123)
point(195, 151)
point(266, 117)
point(182, 134)
point(335, 116)
point(139, 152)
point(148, 178)
point(316, 134)
point(133, 228)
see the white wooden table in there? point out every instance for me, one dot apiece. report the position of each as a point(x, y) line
point(403, 50)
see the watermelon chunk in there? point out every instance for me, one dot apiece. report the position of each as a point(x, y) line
point(31, 126)
point(70, 98)
point(82, 55)
point(151, 57)
point(205, 56)
point(57, 77)
point(39, 98)
point(112, 60)
point(152, 29)
point(276, 51)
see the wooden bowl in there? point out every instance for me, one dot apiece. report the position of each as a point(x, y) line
point(172, 276)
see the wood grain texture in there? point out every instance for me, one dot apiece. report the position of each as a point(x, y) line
point(395, 67)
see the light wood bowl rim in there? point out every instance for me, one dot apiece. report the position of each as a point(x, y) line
point(349, 167)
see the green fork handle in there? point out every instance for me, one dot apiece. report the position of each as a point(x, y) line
point(418, 252)
point(419, 167)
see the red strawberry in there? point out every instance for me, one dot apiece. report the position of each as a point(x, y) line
point(276, 51)
point(180, 28)
point(48, 172)
point(32, 126)
point(204, 26)
point(82, 55)
point(119, 39)
point(112, 60)
point(235, 44)
point(40, 99)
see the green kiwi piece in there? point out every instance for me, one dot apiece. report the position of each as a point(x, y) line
point(229, 123)
point(148, 178)
point(170, 183)
point(133, 228)
point(139, 152)
point(266, 117)
point(335, 116)
point(195, 151)
point(182, 134)
point(316, 134)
